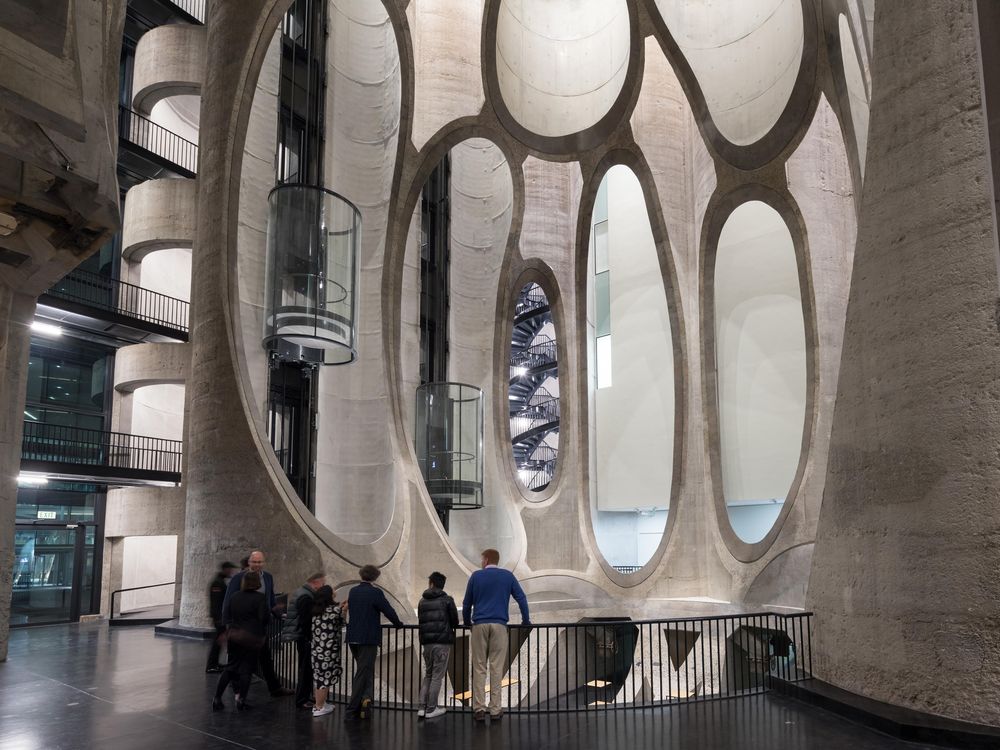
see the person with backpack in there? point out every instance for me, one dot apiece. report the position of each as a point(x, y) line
point(438, 618)
point(297, 628)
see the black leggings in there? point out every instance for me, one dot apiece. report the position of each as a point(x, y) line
point(239, 670)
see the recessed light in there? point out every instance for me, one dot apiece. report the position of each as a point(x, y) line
point(46, 329)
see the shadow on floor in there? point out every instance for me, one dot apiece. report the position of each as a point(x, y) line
point(88, 686)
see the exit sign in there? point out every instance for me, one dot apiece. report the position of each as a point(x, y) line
point(47, 514)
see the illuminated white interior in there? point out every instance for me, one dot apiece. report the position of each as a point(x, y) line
point(761, 366)
point(745, 55)
point(561, 63)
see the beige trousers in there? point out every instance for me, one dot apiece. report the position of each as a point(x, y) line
point(489, 647)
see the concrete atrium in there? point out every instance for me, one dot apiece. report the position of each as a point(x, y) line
point(689, 308)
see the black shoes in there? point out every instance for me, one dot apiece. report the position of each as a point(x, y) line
point(213, 670)
point(217, 704)
point(243, 706)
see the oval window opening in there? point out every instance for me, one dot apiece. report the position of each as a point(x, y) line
point(630, 377)
point(533, 389)
point(451, 274)
point(561, 64)
point(760, 351)
point(746, 56)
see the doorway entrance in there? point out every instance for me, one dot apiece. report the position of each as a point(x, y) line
point(49, 564)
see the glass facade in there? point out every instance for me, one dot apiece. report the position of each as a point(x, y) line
point(68, 383)
point(57, 552)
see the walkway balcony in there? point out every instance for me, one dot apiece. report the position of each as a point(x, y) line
point(115, 308)
point(113, 458)
point(149, 149)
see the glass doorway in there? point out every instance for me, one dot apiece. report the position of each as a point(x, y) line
point(48, 570)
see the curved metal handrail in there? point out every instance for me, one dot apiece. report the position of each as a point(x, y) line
point(111, 611)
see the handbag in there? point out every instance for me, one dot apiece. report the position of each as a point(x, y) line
point(245, 639)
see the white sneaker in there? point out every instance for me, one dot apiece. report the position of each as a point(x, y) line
point(421, 713)
point(439, 711)
point(327, 709)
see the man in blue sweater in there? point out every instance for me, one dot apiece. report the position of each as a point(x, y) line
point(486, 606)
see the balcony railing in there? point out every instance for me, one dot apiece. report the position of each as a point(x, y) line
point(596, 664)
point(194, 8)
point(49, 443)
point(157, 140)
point(122, 298)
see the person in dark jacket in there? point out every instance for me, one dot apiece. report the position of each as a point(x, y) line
point(365, 604)
point(297, 628)
point(438, 618)
point(248, 616)
point(216, 595)
point(255, 563)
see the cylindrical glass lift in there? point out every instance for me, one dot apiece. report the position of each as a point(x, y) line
point(311, 287)
point(449, 445)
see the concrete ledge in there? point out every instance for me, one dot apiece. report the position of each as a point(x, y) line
point(169, 60)
point(159, 214)
point(897, 721)
point(151, 364)
point(174, 629)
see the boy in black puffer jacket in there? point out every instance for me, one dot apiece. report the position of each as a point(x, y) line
point(438, 618)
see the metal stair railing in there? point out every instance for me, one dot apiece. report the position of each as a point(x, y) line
point(543, 352)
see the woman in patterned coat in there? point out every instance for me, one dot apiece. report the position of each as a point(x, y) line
point(327, 634)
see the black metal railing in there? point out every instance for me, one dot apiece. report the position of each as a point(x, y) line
point(156, 139)
point(112, 617)
point(194, 8)
point(537, 479)
point(596, 664)
point(76, 445)
point(122, 298)
point(541, 408)
point(542, 353)
point(532, 298)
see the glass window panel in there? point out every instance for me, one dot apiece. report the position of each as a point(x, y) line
point(604, 362)
point(602, 303)
point(601, 247)
point(601, 203)
point(36, 368)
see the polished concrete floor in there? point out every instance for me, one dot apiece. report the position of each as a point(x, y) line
point(85, 686)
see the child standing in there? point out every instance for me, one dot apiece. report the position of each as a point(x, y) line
point(438, 618)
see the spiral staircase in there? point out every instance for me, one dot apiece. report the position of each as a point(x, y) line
point(534, 409)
